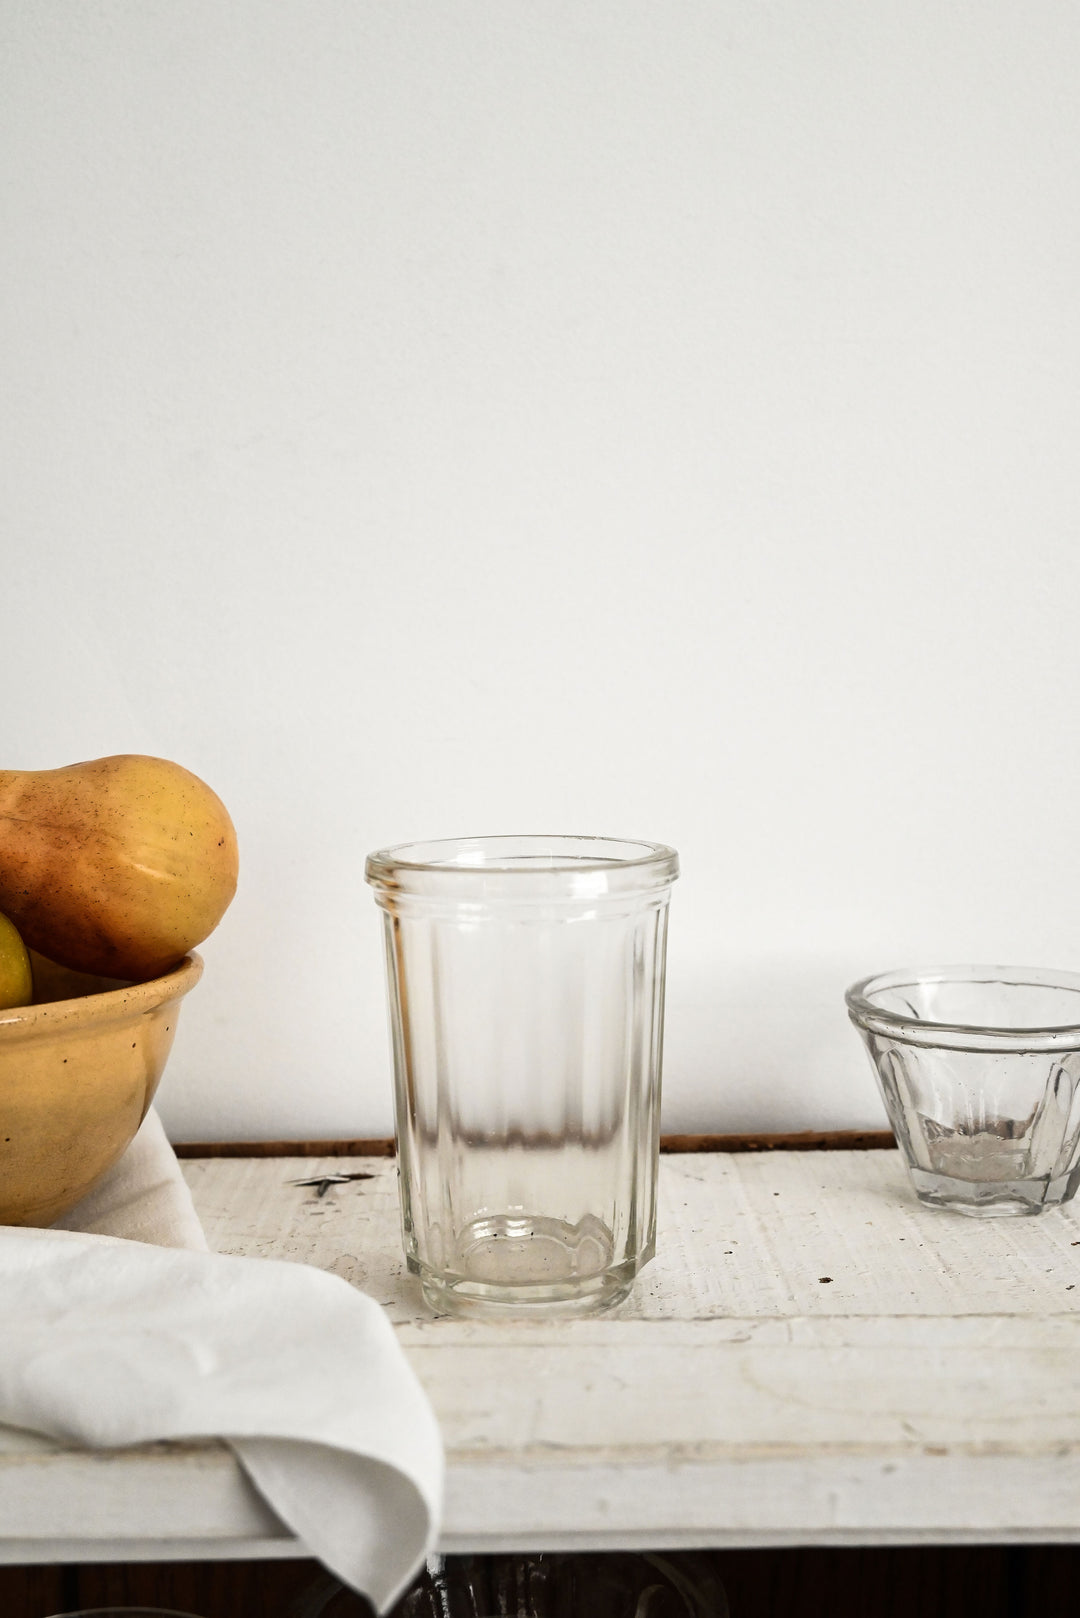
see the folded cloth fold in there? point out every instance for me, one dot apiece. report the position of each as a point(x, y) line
point(108, 1341)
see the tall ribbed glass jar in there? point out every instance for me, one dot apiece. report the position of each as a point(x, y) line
point(526, 990)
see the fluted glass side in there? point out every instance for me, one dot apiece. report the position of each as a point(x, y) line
point(526, 989)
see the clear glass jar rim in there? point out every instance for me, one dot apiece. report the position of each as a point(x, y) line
point(863, 1009)
point(551, 853)
point(529, 868)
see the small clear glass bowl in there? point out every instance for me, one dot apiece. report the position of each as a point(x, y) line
point(979, 1069)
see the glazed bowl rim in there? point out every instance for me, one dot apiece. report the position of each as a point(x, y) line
point(103, 1007)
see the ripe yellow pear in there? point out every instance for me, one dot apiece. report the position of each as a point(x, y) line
point(118, 866)
point(16, 977)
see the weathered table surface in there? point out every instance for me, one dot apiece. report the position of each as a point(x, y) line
point(812, 1358)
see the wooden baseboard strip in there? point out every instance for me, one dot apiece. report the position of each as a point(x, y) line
point(835, 1140)
point(285, 1148)
point(812, 1140)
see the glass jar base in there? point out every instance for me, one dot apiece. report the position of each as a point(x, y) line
point(519, 1263)
point(477, 1300)
point(989, 1199)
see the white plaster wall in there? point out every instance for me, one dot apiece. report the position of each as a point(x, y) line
point(655, 419)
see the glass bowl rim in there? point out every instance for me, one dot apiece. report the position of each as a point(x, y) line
point(116, 1612)
point(863, 1010)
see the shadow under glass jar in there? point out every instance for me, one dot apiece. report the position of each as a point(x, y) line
point(979, 1069)
point(526, 990)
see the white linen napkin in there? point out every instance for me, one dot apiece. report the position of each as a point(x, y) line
point(108, 1341)
point(145, 1198)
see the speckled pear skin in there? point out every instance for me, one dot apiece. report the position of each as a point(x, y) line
point(76, 1078)
point(117, 866)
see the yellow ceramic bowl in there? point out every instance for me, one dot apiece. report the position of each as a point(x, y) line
point(78, 1070)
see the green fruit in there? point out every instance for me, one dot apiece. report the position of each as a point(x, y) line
point(16, 979)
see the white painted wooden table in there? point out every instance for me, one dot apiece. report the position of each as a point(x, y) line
point(811, 1359)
